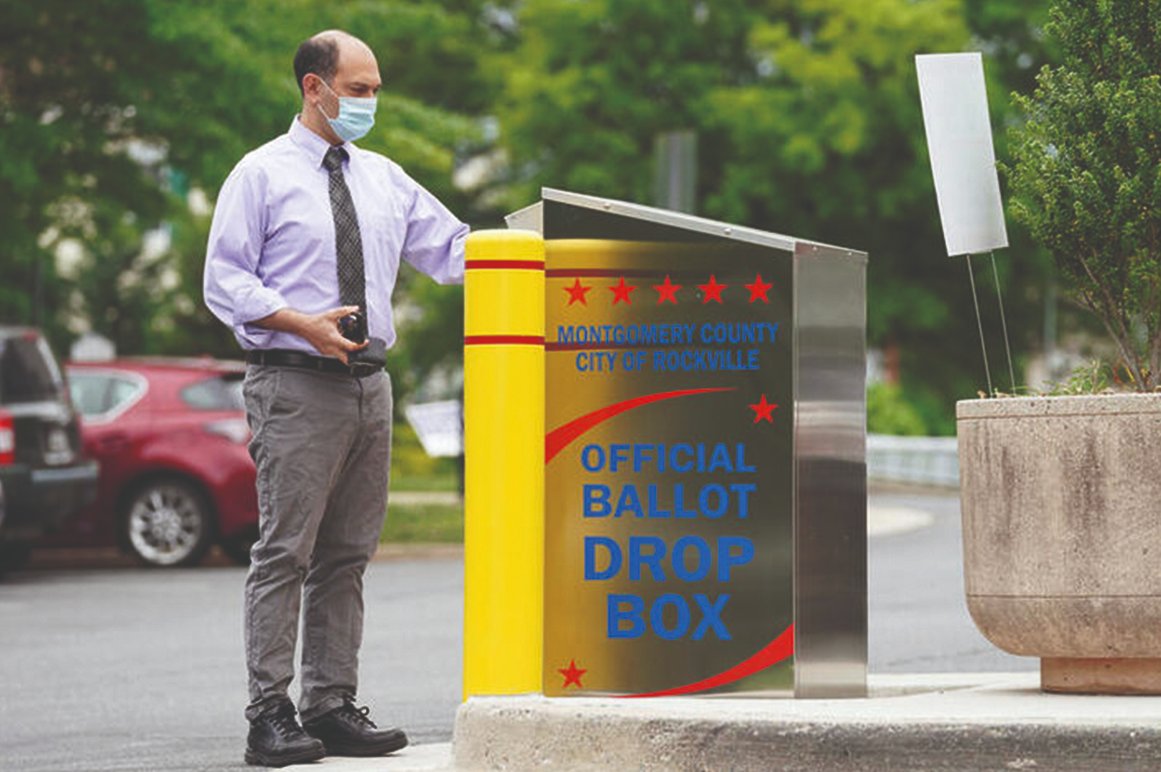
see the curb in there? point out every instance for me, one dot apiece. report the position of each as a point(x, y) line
point(982, 722)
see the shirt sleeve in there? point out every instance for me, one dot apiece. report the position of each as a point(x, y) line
point(435, 237)
point(233, 290)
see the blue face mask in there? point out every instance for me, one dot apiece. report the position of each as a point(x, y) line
point(356, 116)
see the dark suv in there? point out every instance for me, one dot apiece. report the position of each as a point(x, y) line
point(44, 478)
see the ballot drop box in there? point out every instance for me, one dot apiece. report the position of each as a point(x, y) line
point(703, 477)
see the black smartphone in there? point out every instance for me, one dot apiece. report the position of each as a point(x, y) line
point(353, 327)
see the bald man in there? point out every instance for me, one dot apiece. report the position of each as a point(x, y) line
point(307, 237)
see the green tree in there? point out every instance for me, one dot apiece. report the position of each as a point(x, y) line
point(591, 84)
point(1011, 37)
point(809, 122)
point(100, 103)
point(1086, 166)
point(115, 110)
point(832, 137)
point(830, 141)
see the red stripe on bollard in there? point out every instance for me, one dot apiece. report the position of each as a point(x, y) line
point(528, 265)
point(503, 340)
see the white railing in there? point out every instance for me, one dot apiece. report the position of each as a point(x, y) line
point(918, 460)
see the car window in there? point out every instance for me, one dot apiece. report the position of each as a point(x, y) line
point(223, 392)
point(121, 390)
point(96, 394)
point(88, 392)
point(28, 371)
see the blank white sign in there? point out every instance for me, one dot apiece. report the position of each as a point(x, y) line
point(963, 162)
point(439, 425)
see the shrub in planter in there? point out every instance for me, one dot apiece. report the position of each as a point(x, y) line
point(1086, 172)
point(1059, 494)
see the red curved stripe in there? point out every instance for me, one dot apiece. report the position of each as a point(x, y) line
point(774, 652)
point(560, 438)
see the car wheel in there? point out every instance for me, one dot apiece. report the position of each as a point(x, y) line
point(237, 547)
point(168, 523)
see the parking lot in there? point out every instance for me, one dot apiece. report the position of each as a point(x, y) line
point(107, 666)
point(122, 668)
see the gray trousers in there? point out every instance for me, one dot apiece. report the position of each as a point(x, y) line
point(322, 446)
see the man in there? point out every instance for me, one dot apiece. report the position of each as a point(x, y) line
point(307, 235)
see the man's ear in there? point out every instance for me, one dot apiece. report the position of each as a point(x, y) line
point(311, 85)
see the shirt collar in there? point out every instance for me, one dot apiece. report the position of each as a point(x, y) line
point(312, 144)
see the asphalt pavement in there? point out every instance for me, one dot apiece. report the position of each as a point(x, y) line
point(108, 667)
point(136, 669)
point(917, 615)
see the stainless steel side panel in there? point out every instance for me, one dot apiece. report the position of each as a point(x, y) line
point(830, 446)
point(530, 218)
point(825, 449)
point(673, 219)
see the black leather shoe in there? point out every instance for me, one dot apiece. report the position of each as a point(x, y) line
point(346, 731)
point(276, 740)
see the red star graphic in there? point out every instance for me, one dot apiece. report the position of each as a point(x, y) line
point(572, 674)
point(621, 292)
point(667, 291)
point(763, 410)
point(712, 291)
point(759, 289)
point(577, 292)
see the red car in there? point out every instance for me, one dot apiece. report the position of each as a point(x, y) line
point(170, 436)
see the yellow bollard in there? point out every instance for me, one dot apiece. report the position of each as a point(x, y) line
point(504, 456)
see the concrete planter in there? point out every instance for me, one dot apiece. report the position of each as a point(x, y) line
point(1061, 500)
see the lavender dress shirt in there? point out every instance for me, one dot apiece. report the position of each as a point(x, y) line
point(272, 241)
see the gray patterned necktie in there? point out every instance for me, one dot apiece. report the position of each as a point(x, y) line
point(348, 242)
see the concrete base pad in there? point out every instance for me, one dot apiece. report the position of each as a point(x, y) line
point(909, 722)
point(1101, 676)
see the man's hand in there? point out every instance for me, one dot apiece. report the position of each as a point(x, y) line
point(319, 330)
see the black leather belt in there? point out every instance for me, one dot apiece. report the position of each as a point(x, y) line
point(286, 358)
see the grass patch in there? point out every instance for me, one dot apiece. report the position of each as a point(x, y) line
point(413, 470)
point(442, 482)
point(424, 523)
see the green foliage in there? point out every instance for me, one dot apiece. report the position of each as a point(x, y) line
point(422, 521)
point(1090, 378)
point(413, 470)
point(1012, 40)
point(423, 524)
point(809, 122)
point(807, 114)
point(889, 413)
point(592, 83)
point(431, 325)
point(828, 144)
point(62, 109)
point(933, 406)
point(892, 409)
point(113, 110)
point(1086, 169)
